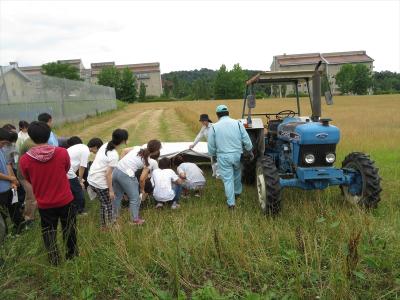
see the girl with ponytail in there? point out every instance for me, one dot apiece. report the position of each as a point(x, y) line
point(125, 181)
point(100, 174)
point(119, 136)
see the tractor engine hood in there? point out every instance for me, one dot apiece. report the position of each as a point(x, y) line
point(304, 133)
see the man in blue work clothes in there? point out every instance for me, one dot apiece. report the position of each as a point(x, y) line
point(226, 140)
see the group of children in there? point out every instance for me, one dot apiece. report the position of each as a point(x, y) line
point(136, 175)
point(53, 179)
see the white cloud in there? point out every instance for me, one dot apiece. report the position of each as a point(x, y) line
point(184, 35)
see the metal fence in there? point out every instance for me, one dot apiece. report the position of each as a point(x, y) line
point(25, 97)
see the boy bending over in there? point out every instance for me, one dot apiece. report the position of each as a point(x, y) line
point(167, 185)
point(191, 173)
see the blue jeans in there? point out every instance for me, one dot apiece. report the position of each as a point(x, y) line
point(122, 183)
point(177, 190)
point(229, 169)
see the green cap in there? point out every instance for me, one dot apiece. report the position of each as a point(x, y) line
point(221, 108)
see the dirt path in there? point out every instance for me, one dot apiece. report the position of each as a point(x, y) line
point(147, 128)
point(143, 123)
point(103, 130)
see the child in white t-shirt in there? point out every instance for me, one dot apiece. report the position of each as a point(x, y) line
point(191, 173)
point(79, 156)
point(167, 184)
point(100, 174)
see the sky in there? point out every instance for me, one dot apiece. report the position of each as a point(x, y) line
point(187, 35)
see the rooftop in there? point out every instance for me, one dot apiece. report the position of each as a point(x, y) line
point(6, 69)
point(329, 58)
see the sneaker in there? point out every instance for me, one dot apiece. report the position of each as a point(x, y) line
point(137, 222)
point(82, 213)
point(159, 205)
point(231, 207)
point(175, 206)
point(197, 195)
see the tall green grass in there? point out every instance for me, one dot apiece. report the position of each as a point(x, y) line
point(319, 247)
point(310, 250)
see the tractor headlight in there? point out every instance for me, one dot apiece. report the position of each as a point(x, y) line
point(309, 158)
point(330, 158)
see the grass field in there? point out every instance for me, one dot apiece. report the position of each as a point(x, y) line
point(319, 247)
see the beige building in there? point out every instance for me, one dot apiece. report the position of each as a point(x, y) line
point(148, 73)
point(331, 63)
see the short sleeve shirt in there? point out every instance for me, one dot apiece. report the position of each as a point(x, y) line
point(162, 181)
point(192, 171)
point(131, 162)
point(98, 169)
point(79, 156)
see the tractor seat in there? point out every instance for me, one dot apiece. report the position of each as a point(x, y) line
point(273, 126)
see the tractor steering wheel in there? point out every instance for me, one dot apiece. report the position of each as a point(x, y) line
point(285, 114)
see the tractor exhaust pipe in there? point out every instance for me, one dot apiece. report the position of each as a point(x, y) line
point(316, 94)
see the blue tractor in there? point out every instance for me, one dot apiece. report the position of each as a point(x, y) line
point(297, 151)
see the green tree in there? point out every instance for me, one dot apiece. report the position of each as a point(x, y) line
point(185, 84)
point(237, 82)
point(111, 76)
point(385, 82)
point(142, 92)
point(222, 83)
point(176, 87)
point(362, 80)
point(61, 70)
point(128, 86)
point(344, 78)
point(201, 89)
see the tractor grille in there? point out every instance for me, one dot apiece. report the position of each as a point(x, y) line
point(319, 152)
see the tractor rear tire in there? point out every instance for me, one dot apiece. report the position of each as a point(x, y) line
point(249, 167)
point(268, 186)
point(369, 196)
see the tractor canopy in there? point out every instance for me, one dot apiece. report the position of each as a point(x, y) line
point(312, 78)
point(282, 77)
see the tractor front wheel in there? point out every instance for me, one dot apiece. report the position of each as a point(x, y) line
point(365, 187)
point(268, 186)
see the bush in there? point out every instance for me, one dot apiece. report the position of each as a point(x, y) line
point(293, 95)
point(261, 95)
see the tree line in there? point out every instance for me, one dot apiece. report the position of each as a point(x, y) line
point(206, 83)
point(359, 80)
point(224, 83)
